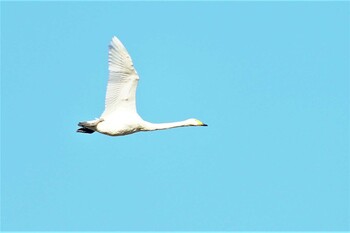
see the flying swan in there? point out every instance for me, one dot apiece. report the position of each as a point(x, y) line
point(120, 116)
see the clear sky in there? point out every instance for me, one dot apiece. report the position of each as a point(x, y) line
point(271, 79)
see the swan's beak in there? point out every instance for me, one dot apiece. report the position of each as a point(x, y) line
point(200, 123)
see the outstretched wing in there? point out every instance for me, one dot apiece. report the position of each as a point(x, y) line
point(122, 82)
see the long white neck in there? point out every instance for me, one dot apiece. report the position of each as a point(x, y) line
point(148, 126)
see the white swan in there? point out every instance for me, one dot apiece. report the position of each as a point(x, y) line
point(120, 116)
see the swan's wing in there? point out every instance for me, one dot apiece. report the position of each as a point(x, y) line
point(122, 82)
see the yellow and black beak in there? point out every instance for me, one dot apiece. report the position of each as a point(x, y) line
point(200, 123)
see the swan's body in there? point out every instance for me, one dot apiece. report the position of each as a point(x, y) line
point(120, 116)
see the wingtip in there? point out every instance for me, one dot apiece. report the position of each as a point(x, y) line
point(115, 40)
point(116, 43)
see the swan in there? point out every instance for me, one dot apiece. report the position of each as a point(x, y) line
point(120, 116)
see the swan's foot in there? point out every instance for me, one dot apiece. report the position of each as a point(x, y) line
point(89, 126)
point(85, 130)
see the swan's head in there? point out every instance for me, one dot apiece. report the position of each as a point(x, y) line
point(195, 122)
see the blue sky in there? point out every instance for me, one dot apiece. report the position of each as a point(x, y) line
point(271, 79)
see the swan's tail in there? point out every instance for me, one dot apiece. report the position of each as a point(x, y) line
point(88, 126)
